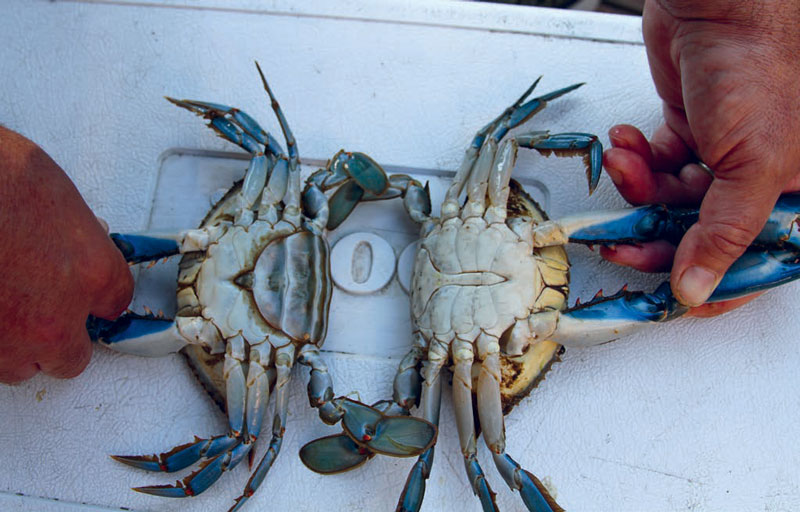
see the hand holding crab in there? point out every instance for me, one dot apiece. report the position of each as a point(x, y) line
point(59, 263)
point(489, 296)
point(708, 63)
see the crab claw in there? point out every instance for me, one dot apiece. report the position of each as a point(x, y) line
point(139, 248)
point(757, 270)
point(132, 333)
point(660, 222)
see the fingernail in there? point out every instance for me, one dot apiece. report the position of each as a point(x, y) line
point(613, 134)
point(696, 285)
point(103, 223)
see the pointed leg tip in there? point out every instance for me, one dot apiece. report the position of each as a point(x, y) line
point(146, 463)
point(130, 460)
point(163, 491)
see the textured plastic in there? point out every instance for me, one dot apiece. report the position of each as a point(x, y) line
point(697, 415)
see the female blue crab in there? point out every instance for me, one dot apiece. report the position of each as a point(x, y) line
point(254, 291)
point(489, 295)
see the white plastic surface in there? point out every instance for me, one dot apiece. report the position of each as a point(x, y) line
point(697, 415)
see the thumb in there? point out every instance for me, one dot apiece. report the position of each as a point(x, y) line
point(733, 212)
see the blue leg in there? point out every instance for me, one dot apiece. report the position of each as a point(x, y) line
point(462, 389)
point(605, 319)
point(430, 403)
point(344, 165)
point(220, 453)
point(533, 493)
point(568, 144)
point(511, 117)
point(284, 358)
point(183, 456)
point(202, 479)
point(520, 112)
point(234, 125)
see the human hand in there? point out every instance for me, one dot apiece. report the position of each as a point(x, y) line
point(727, 72)
point(58, 263)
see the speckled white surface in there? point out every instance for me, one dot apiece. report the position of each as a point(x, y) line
point(697, 415)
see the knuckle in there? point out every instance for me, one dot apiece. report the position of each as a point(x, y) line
point(97, 274)
point(103, 272)
point(109, 284)
point(730, 239)
point(48, 335)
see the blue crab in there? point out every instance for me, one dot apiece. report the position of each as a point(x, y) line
point(254, 291)
point(489, 296)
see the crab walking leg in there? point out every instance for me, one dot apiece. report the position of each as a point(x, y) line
point(499, 178)
point(568, 144)
point(513, 116)
point(284, 358)
point(257, 388)
point(430, 403)
point(490, 413)
point(463, 356)
point(241, 129)
point(292, 212)
point(185, 455)
point(407, 384)
point(245, 400)
point(317, 209)
point(272, 195)
point(320, 385)
point(479, 181)
point(450, 206)
point(217, 463)
point(563, 144)
point(233, 125)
